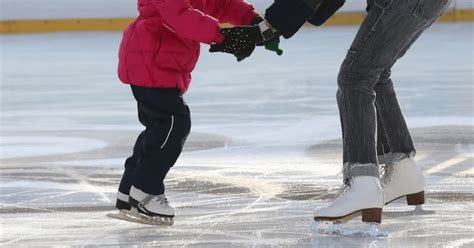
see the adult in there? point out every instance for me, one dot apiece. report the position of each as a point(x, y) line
point(374, 130)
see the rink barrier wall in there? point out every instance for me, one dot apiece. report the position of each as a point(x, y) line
point(117, 24)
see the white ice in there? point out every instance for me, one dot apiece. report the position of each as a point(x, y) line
point(264, 150)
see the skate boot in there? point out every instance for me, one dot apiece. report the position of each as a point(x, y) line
point(122, 201)
point(403, 179)
point(146, 209)
point(122, 205)
point(361, 196)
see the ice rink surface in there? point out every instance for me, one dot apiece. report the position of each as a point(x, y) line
point(264, 150)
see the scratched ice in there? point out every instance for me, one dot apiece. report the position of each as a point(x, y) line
point(264, 149)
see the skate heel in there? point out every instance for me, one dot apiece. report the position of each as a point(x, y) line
point(416, 199)
point(133, 203)
point(372, 215)
point(122, 205)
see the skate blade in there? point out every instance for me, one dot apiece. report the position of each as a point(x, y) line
point(120, 215)
point(342, 219)
point(336, 229)
point(134, 216)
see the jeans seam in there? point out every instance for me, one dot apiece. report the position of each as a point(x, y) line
point(345, 116)
point(372, 30)
point(383, 7)
point(389, 141)
point(419, 18)
point(424, 20)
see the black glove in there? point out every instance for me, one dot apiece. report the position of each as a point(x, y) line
point(272, 45)
point(245, 54)
point(239, 40)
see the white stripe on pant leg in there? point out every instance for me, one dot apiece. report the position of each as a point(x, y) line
point(121, 196)
point(169, 132)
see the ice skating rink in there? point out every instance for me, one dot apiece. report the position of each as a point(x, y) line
point(263, 153)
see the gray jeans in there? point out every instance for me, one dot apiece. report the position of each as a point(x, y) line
point(373, 127)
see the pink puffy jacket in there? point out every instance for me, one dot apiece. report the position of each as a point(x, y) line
point(161, 47)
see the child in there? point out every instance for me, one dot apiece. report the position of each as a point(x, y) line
point(157, 54)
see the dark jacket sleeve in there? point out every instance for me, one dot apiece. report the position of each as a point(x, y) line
point(288, 16)
point(325, 11)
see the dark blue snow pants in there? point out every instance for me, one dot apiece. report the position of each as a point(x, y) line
point(167, 122)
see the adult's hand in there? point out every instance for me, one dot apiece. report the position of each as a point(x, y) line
point(272, 44)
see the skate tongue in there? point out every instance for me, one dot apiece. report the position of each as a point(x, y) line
point(386, 171)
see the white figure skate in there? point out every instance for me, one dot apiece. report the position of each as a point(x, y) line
point(404, 179)
point(362, 196)
point(146, 209)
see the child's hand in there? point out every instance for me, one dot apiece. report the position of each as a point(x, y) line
point(271, 45)
point(238, 40)
point(241, 40)
point(244, 55)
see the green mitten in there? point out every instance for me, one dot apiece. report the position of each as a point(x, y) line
point(271, 45)
point(274, 46)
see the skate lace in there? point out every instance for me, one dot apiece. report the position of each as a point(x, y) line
point(161, 199)
point(344, 188)
point(387, 172)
